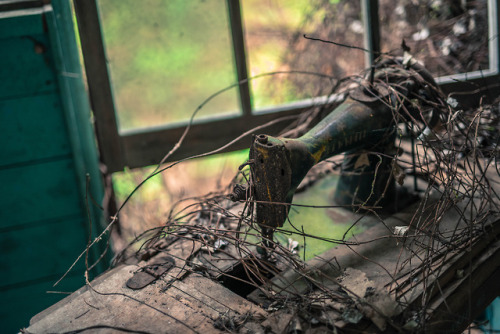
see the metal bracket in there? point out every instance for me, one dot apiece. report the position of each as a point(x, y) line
point(154, 269)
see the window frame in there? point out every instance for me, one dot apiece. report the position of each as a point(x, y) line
point(144, 147)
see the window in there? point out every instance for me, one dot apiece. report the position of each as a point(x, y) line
point(449, 37)
point(143, 93)
point(165, 58)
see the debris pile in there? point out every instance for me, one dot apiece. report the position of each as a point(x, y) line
point(392, 277)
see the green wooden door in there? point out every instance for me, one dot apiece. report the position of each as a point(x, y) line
point(46, 150)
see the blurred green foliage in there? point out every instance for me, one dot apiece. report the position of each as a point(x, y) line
point(166, 57)
point(208, 168)
point(268, 35)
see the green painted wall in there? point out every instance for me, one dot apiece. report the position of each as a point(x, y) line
point(47, 148)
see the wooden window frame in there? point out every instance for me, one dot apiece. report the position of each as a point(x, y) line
point(144, 147)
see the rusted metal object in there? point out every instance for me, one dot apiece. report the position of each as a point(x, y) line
point(154, 269)
point(364, 126)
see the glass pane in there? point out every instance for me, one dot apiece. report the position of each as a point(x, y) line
point(150, 205)
point(166, 57)
point(448, 37)
point(274, 38)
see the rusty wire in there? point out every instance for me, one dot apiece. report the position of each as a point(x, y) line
point(454, 163)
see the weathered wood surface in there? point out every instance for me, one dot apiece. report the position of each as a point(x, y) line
point(453, 283)
point(189, 306)
point(179, 302)
point(379, 276)
point(28, 70)
point(47, 149)
point(32, 128)
point(27, 257)
point(184, 301)
point(39, 193)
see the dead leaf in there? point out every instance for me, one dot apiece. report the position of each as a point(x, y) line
point(374, 302)
point(362, 161)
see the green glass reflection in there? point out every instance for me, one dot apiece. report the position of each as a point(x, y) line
point(166, 57)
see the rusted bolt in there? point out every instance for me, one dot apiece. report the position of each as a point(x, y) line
point(262, 139)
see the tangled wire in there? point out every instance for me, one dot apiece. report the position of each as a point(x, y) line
point(450, 152)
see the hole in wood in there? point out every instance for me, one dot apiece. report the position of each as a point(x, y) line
point(243, 282)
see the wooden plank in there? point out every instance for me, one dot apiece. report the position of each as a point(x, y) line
point(27, 22)
point(184, 304)
point(42, 250)
point(77, 112)
point(111, 304)
point(34, 193)
point(220, 262)
point(214, 297)
point(194, 304)
point(380, 256)
point(470, 93)
point(215, 301)
point(465, 298)
point(27, 68)
point(32, 128)
point(19, 303)
point(182, 251)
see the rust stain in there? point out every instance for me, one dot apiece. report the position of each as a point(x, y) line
point(317, 156)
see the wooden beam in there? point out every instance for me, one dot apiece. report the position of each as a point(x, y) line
point(101, 96)
point(149, 147)
point(465, 298)
point(238, 38)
